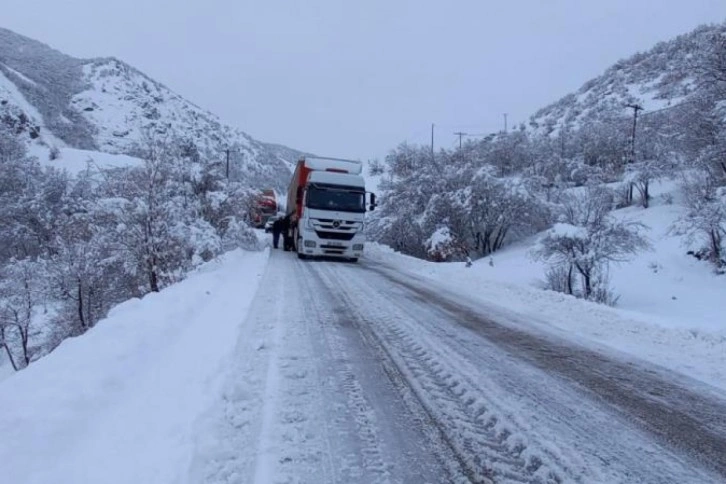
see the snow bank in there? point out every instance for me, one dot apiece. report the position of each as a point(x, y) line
point(118, 404)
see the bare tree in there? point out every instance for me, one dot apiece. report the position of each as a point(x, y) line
point(17, 304)
point(705, 220)
point(587, 238)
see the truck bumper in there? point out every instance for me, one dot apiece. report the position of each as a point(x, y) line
point(313, 246)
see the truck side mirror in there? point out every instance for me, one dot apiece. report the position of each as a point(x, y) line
point(373, 202)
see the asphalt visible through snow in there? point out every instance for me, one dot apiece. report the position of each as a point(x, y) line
point(358, 373)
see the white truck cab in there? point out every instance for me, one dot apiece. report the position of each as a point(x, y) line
point(328, 207)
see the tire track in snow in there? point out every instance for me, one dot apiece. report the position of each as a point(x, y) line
point(304, 401)
point(472, 434)
point(340, 338)
point(440, 362)
point(677, 416)
point(321, 317)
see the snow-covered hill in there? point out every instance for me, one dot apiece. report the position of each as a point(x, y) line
point(662, 77)
point(106, 105)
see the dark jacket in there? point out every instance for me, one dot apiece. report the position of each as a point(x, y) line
point(285, 224)
point(277, 226)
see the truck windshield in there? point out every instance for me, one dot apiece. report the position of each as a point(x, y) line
point(329, 197)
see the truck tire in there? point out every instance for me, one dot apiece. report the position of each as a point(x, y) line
point(353, 260)
point(300, 255)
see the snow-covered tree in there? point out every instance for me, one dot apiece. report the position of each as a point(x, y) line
point(705, 220)
point(159, 226)
point(19, 297)
point(585, 240)
point(376, 168)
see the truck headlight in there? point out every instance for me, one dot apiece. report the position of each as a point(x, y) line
point(309, 243)
point(357, 247)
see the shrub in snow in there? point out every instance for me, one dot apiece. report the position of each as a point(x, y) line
point(442, 246)
point(11, 148)
point(238, 234)
point(54, 153)
point(560, 278)
point(705, 220)
point(580, 247)
point(642, 174)
point(438, 245)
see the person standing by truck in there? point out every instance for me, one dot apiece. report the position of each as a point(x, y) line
point(285, 230)
point(276, 230)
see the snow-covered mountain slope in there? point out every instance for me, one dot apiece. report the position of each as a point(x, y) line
point(664, 76)
point(46, 80)
point(106, 105)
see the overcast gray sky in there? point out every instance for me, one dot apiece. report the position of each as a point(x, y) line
point(353, 79)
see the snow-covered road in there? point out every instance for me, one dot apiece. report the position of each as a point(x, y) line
point(308, 399)
point(260, 369)
point(358, 373)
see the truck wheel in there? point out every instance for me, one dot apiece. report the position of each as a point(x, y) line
point(353, 260)
point(298, 248)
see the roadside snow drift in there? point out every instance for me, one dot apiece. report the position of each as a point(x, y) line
point(118, 405)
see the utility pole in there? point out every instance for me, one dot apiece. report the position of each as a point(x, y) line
point(433, 159)
point(635, 108)
point(505, 122)
point(460, 135)
point(227, 170)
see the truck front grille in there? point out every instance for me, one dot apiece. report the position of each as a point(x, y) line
point(323, 234)
point(330, 224)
